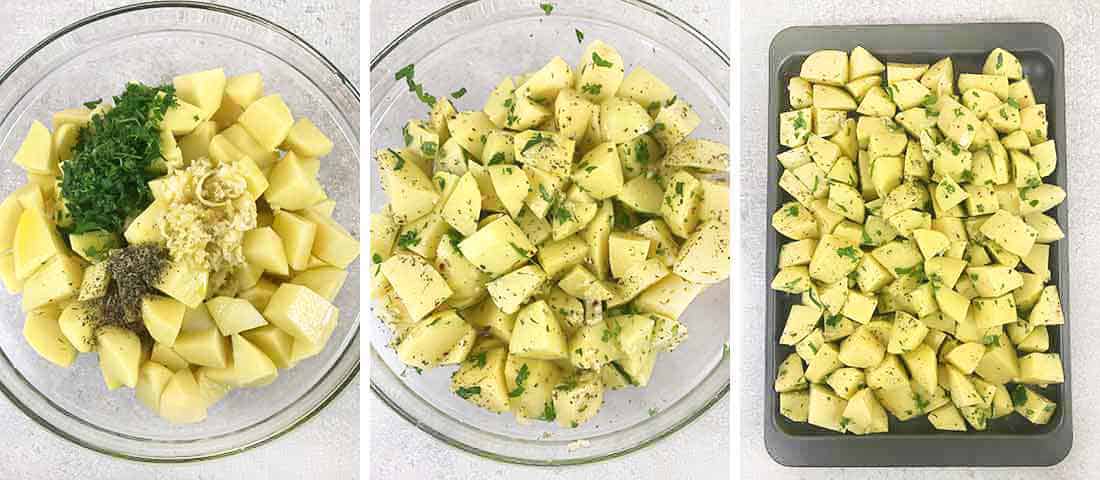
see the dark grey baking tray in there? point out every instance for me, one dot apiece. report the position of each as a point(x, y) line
point(1009, 441)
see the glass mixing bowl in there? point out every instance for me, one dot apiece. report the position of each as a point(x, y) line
point(94, 58)
point(473, 44)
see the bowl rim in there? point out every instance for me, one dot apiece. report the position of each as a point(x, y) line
point(376, 59)
point(351, 374)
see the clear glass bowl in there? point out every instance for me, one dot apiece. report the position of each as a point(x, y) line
point(473, 44)
point(94, 58)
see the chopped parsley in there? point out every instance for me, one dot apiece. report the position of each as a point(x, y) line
point(376, 258)
point(410, 238)
point(641, 152)
point(580, 36)
point(521, 377)
point(523, 253)
point(458, 93)
point(1019, 395)
point(467, 392)
point(400, 163)
point(547, 7)
point(1013, 103)
point(613, 330)
point(537, 139)
point(600, 62)
point(592, 88)
point(407, 73)
point(479, 359)
point(548, 412)
point(497, 158)
point(429, 148)
point(849, 252)
point(792, 211)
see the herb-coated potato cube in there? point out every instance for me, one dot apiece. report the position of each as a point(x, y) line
point(513, 289)
point(538, 334)
point(572, 112)
point(600, 172)
point(1041, 368)
point(705, 256)
point(1048, 310)
point(795, 405)
point(795, 127)
point(438, 339)
point(794, 279)
point(480, 380)
point(622, 120)
point(826, 409)
point(1033, 406)
point(674, 123)
point(601, 66)
point(829, 67)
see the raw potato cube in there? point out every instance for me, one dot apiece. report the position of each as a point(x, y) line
point(795, 405)
point(163, 318)
point(234, 315)
point(145, 228)
point(795, 127)
point(538, 334)
point(183, 283)
point(326, 281)
point(332, 244)
point(202, 89)
point(205, 347)
point(43, 333)
point(1001, 62)
point(1048, 310)
point(491, 247)
point(268, 120)
point(826, 408)
point(800, 322)
point(704, 257)
point(306, 140)
point(674, 123)
point(829, 67)
point(462, 207)
point(263, 248)
point(36, 154)
point(274, 343)
point(182, 118)
point(510, 291)
point(55, 282)
point(181, 401)
point(1041, 369)
point(119, 354)
point(547, 151)
point(251, 367)
point(299, 311)
point(298, 234)
point(293, 187)
point(834, 259)
point(35, 242)
point(487, 378)
point(152, 379)
point(681, 201)
point(625, 251)
point(600, 173)
point(790, 376)
point(1032, 406)
point(600, 65)
point(167, 357)
point(622, 120)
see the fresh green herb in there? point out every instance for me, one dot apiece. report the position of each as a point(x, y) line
point(844, 421)
point(521, 377)
point(679, 188)
point(922, 403)
point(93, 103)
point(569, 384)
point(408, 72)
point(467, 392)
point(792, 211)
point(1019, 395)
point(592, 88)
point(967, 176)
point(376, 258)
point(547, 7)
point(929, 101)
point(400, 163)
point(408, 136)
point(454, 238)
point(799, 122)
point(652, 411)
point(523, 253)
point(537, 139)
point(442, 183)
point(653, 105)
point(479, 359)
point(458, 93)
point(590, 169)
point(548, 412)
point(1013, 103)
point(410, 238)
point(105, 181)
point(545, 195)
point(580, 36)
point(641, 152)
point(955, 149)
point(866, 239)
point(671, 101)
point(849, 252)
point(832, 321)
point(497, 159)
point(1000, 60)
point(991, 341)
point(428, 148)
point(613, 330)
point(600, 62)
point(559, 213)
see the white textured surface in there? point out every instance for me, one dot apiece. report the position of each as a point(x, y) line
point(1077, 22)
point(326, 446)
point(401, 451)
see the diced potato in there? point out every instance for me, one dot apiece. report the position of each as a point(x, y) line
point(299, 311)
point(264, 248)
point(439, 339)
point(181, 402)
point(119, 354)
point(36, 154)
point(268, 120)
point(152, 378)
point(292, 187)
point(55, 282)
point(184, 283)
point(43, 333)
point(305, 139)
point(35, 243)
point(538, 334)
point(202, 89)
point(273, 342)
point(234, 315)
point(204, 347)
point(163, 318)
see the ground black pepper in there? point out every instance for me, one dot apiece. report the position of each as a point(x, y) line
point(133, 270)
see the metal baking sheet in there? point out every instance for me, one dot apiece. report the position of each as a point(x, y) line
point(1009, 441)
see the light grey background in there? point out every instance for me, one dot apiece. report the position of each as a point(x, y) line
point(399, 450)
point(1077, 22)
point(326, 446)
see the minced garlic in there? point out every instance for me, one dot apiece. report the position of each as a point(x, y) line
point(209, 210)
